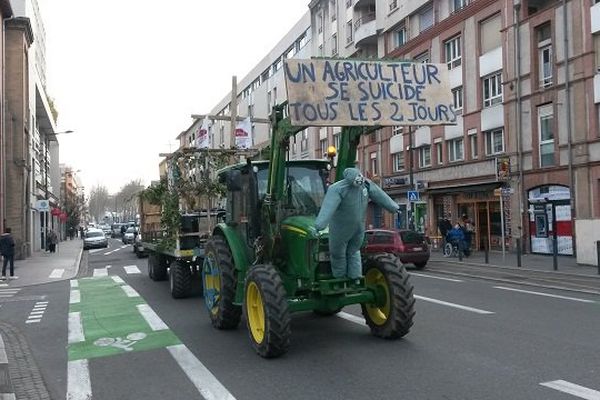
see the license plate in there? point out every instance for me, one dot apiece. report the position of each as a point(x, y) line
point(418, 249)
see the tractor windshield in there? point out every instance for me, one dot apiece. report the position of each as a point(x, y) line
point(304, 187)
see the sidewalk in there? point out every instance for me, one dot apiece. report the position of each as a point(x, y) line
point(537, 262)
point(43, 267)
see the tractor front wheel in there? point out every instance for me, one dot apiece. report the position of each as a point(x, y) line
point(391, 316)
point(219, 283)
point(266, 311)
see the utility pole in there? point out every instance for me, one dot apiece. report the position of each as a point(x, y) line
point(233, 111)
point(411, 178)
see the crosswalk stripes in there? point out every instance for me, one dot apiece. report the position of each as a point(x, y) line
point(7, 293)
point(37, 313)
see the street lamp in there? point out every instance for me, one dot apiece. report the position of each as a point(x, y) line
point(46, 171)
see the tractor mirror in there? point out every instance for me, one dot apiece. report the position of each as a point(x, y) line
point(234, 180)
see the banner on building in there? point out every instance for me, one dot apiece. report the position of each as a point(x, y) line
point(337, 92)
point(243, 134)
point(202, 135)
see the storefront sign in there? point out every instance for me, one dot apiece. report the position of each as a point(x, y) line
point(394, 181)
point(357, 93)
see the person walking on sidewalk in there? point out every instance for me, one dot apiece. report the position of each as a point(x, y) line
point(7, 249)
point(52, 240)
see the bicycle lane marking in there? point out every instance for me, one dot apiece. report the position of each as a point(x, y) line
point(112, 323)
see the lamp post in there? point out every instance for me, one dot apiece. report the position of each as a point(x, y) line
point(46, 191)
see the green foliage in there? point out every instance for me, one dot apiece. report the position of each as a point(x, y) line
point(170, 220)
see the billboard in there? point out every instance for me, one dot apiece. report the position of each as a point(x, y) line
point(339, 92)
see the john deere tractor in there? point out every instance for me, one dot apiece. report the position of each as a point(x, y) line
point(268, 261)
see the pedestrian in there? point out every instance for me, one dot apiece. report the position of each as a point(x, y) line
point(52, 240)
point(456, 236)
point(81, 232)
point(7, 250)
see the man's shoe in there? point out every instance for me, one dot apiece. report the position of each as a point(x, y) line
point(13, 277)
point(3, 278)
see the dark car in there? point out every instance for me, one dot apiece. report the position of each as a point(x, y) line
point(409, 246)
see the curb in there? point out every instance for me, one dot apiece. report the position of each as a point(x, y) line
point(494, 266)
point(6, 388)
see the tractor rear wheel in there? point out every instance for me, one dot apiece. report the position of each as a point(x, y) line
point(180, 280)
point(266, 311)
point(219, 282)
point(392, 315)
point(157, 267)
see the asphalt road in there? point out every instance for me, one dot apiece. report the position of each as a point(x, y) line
point(472, 339)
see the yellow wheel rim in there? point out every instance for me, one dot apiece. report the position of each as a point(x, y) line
point(379, 314)
point(255, 312)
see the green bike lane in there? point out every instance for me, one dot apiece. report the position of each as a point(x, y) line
point(109, 325)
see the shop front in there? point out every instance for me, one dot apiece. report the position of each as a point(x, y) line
point(481, 206)
point(550, 219)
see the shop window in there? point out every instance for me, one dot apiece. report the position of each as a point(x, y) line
point(546, 135)
point(541, 225)
point(494, 142)
point(453, 52)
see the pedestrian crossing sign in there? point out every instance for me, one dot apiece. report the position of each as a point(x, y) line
point(412, 195)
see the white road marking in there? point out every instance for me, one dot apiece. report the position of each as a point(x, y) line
point(556, 296)
point(132, 269)
point(3, 284)
point(75, 297)
point(32, 321)
point(351, 318)
point(79, 386)
point(37, 312)
point(117, 279)
point(41, 302)
point(129, 291)
point(96, 250)
point(40, 308)
point(74, 283)
point(7, 396)
point(75, 328)
point(571, 388)
point(9, 291)
point(199, 375)
point(3, 357)
point(57, 274)
point(156, 324)
point(436, 277)
point(100, 272)
point(122, 247)
point(454, 305)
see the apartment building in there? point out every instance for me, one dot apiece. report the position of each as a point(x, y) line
point(5, 12)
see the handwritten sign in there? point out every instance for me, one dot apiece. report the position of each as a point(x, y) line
point(325, 92)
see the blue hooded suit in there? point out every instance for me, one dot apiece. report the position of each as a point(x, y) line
point(344, 210)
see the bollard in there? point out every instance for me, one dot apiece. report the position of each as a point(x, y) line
point(555, 254)
point(519, 252)
point(598, 255)
point(486, 251)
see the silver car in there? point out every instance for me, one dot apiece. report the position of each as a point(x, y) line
point(94, 238)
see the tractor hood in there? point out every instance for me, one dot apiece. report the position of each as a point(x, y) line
point(303, 225)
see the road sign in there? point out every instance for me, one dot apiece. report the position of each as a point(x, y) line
point(42, 205)
point(413, 195)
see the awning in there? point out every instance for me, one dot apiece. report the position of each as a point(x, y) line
point(472, 188)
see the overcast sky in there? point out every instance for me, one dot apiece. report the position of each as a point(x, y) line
point(127, 74)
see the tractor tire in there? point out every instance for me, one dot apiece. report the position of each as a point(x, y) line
point(180, 280)
point(393, 318)
point(160, 268)
point(219, 281)
point(420, 265)
point(151, 262)
point(266, 310)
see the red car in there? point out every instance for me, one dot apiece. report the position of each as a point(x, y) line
point(409, 246)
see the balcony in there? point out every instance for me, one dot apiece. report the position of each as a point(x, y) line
point(365, 30)
point(363, 3)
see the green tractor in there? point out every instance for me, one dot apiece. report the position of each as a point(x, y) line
point(268, 261)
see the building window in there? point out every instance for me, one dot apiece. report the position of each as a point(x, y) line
point(222, 135)
point(596, 40)
point(545, 55)
point(457, 5)
point(425, 156)
point(304, 141)
point(398, 37)
point(456, 150)
point(336, 140)
point(492, 89)
point(348, 3)
point(334, 44)
point(323, 145)
point(474, 148)
point(453, 52)
point(546, 131)
point(426, 18)
point(290, 52)
point(373, 157)
point(397, 130)
point(333, 10)
point(439, 153)
point(490, 34)
point(302, 41)
point(398, 161)
point(320, 22)
point(277, 65)
point(457, 96)
point(349, 32)
point(320, 51)
point(494, 142)
point(422, 58)
point(393, 5)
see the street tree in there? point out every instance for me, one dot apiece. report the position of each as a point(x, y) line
point(99, 202)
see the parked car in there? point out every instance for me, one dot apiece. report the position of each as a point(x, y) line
point(129, 235)
point(409, 246)
point(94, 238)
